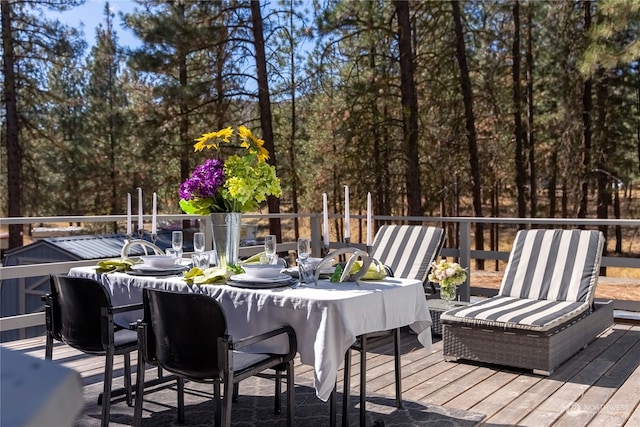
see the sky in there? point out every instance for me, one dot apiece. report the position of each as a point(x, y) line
point(91, 14)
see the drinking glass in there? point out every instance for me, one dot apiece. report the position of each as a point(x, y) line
point(176, 244)
point(198, 243)
point(176, 240)
point(270, 248)
point(200, 260)
point(304, 247)
point(305, 274)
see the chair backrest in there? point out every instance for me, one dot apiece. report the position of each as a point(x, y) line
point(408, 249)
point(556, 265)
point(76, 311)
point(182, 331)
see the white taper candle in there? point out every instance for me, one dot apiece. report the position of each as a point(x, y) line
point(369, 217)
point(325, 220)
point(128, 214)
point(347, 224)
point(154, 209)
point(140, 221)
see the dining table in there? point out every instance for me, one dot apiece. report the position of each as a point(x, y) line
point(327, 317)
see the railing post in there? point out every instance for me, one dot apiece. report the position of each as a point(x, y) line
point(316, 235)
point(465, 259)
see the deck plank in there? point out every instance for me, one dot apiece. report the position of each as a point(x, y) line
point(600, 385)
point(565, 397)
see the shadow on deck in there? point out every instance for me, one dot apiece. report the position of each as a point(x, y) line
point(598, 386)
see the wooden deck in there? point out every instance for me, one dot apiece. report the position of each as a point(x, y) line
point(600, 386)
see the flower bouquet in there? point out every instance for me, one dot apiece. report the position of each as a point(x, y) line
point(226, 189)
point(448, 275)
point(238, 184)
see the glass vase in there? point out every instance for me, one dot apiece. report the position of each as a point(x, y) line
point(448, 293)
point(226, 237)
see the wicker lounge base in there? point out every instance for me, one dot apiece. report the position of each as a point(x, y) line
point(542, 352)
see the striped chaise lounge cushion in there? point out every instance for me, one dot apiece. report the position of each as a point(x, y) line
point(408, 250)
point(550, 278)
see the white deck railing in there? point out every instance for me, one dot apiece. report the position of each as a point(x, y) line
point(463, 252)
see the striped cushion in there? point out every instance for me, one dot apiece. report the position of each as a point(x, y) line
point(556, 265)
point(516, 313)
point(408, 249)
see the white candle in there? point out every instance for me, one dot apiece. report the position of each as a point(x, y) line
point(369, 224)
point(128, 214)
point(347, 225)
point(154, 227)
point(140, 224)
point(325, 220)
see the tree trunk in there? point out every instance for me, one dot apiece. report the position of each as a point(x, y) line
point(603, 149)
point(530, 128)
point(587, 106)
point(14, 151)
point(410, 111)
point(264, 103)
point(185, 149)
point(292, 137)
point(517, 114)
point(467, 95)
point(553, 183)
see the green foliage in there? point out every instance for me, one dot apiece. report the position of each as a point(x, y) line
point(91, 132)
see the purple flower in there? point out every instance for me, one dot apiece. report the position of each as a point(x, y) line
point(205, 180)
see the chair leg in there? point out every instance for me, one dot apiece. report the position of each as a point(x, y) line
point(127, 378)
point(137, 412)
point(290, 394)
point(332, 406)
point(48, 349)
point(398, 366)
point(277, 404)
point(346, 390)
point(236, 392)
point(216, 395)
point(226, 398)
point(180, 400)
point(106, 392)
point(363, 380)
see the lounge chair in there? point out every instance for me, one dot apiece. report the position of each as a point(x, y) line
point(544, 312)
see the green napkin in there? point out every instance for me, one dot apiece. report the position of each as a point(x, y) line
point(113, 265)
point(208, 276)
point(376, 271)
point(254, 259)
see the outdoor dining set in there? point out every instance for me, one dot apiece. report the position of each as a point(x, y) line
point(225, 330)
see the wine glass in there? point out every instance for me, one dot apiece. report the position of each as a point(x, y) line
point(198, 243)
point(270, 248)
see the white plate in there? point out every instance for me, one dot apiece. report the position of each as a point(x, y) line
point(147, 270)
point(324, 273)
point(245, 278)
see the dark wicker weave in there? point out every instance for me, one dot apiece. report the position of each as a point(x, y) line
point(436, 308)
point(542, 352)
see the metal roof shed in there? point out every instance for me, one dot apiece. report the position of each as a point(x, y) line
point(21, 296)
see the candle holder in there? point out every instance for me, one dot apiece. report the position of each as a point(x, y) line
point(325, 250)
point(129, 242)
point(347, 241)
point(369, 250)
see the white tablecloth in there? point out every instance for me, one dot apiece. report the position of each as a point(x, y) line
point(327, 318)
